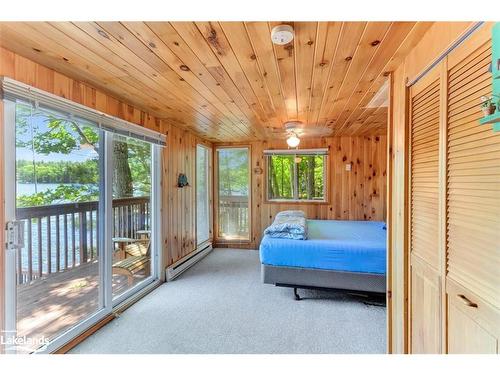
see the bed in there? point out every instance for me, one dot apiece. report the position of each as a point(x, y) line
point(348, 255)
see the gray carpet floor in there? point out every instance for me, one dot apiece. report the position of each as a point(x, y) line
point(220, 306)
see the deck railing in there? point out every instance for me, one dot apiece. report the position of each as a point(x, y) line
point(63, 236)
point(233, 217)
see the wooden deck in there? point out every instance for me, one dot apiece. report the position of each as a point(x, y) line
point(52, 305)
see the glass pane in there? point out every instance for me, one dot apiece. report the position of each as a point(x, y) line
point(131, 213)
point(280, 176)
point(202, 198)
point(57, 186)
point(233, 175)
point(310, 176)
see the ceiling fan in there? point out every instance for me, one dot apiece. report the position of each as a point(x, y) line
point(294, 130)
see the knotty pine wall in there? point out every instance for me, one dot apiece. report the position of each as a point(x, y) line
point(359, 194)
point(179, 209)
point(179, 204)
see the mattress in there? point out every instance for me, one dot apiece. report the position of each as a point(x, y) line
point(352, 246)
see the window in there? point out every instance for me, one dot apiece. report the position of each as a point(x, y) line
point(202, 194)
point(296, 176)
point(233, 172)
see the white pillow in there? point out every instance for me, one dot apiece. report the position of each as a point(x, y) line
point(295, 213)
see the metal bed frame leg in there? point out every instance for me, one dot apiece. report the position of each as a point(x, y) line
point(296, 294)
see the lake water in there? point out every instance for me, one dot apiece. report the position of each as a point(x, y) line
point(68, 241)
point(26, 189)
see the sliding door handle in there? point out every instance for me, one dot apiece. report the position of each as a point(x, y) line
point(467, 301)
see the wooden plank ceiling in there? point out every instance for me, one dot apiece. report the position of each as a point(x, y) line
point(225, 80)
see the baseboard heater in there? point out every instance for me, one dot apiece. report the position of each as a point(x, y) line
point(183, 264)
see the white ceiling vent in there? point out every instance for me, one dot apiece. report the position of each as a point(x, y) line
point(381, 98)
point(282, 34)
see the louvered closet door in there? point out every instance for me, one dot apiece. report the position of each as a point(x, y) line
point(425, 307)
point(473, 196)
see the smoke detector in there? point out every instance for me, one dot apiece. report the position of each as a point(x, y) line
point(282, 34)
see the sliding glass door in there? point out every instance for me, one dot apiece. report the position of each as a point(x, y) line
point(202, 194)
point(82, 207)
point(54, 195)
point(132, 219)
point(233, 194)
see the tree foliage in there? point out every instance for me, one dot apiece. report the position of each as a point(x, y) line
point(233, 172)
point(47, 133)
point(288, 173)
point(58, 172)
point(61, 194)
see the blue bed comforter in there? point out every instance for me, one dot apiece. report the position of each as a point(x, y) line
point(352, 246)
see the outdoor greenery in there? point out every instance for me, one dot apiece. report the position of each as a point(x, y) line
point(63, 172)
point(233, 172)
point(296, 176)
point(45, 132)
point(61, 194)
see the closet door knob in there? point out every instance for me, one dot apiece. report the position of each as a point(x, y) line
point(467, 301)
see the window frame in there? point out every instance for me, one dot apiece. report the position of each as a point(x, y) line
point(217, 238)
point(296, 200)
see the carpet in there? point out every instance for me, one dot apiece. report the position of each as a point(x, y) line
point(220, 305)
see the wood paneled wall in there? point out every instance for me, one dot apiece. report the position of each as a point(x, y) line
point(179, 207)
point(179, 204)
point(359, 194)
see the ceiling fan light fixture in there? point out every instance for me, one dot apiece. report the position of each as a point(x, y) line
point(293, 141)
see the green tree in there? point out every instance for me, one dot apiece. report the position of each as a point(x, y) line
point(63, 136)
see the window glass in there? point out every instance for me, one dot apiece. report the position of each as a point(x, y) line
point(202, 195)
point(296, 177)
point(233, 182)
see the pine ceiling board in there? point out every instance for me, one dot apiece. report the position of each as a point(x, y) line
point(326, 45)
point(285, 56)
point(169, 78)
point(227, 80)
point(356, 113)
point(156, 81)
point(350, 36)
point(215, 38)
point(156, 45)
point(197, 43)
point(154, 86)
point(361, 120)
point(409, 42)
point(259, 35)
point(142, 83)
point(369, 43)
point(237, 37)
point(386, 49)
point(65, 63)
point(172, 39)
point(305, 46)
